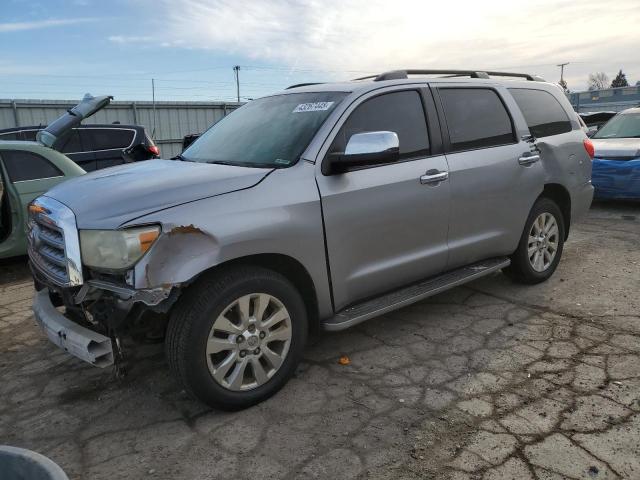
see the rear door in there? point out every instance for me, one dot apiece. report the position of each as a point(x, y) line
point(385, 227)
point(77, 146)
point(108, 144)
point(494, 175)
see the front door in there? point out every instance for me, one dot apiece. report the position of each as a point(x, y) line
point(25, 176)
point(385, 227)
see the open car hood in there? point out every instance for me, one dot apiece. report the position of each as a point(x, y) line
point(72, 118)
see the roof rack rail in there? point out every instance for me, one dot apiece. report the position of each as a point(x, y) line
point(303, 85)
point(400, 74)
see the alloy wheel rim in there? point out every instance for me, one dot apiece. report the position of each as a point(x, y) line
point(248, 342)
point(542, 246)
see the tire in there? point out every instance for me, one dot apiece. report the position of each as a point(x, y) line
point(209, 361)
point(535, 269)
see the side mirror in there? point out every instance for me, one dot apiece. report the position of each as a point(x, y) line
point(364, 149)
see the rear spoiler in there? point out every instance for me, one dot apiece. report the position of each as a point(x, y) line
point(72, 118)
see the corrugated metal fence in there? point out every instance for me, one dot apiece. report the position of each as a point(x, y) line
point(612, 99)
point(173, 120)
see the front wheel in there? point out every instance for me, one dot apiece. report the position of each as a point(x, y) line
point(236, 336)
point(541, 244)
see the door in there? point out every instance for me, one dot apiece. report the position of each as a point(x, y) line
point(384, 226)
point(494, 175)
point(26, 175)
point(108, 145)
point(78, 147)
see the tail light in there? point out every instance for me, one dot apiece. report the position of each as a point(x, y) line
point(588, 146)
point(153, 149)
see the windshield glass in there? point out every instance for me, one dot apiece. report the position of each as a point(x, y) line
point(268, 132)
point(621, 126)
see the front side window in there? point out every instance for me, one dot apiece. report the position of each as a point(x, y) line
point(398, 112)
point(543, 113)
point(22, 166)
point(9, 136)
point(268, 132)
point(623, 125)
point(476, 118)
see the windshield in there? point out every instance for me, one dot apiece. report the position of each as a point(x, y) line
point(621, 126)
point(268, 132)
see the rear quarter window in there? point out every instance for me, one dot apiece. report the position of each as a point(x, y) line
point(110, 138)
point(542, 111)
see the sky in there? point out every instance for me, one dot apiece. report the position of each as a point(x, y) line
point(58, 49)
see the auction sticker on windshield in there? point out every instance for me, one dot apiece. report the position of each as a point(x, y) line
point(313, 107)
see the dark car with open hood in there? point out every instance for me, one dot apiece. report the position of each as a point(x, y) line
point(93, 146)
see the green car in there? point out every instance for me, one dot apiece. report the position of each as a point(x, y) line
point(27, 170)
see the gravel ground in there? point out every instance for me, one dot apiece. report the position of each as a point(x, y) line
point(492, 380)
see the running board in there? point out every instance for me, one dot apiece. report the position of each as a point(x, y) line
point(414, 293)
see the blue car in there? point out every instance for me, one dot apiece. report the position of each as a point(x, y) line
point(616, 163)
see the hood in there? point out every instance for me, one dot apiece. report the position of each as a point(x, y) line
point(616, 147)
point(72, 118)
point(108, 198)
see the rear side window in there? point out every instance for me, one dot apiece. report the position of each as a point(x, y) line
point(72, 144)
point(110, 138)
point(22, 166)
point(476, 118)
point(399, 112)
point(543, 113)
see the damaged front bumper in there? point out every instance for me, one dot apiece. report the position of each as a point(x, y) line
point(79, 341)
point(109, 310)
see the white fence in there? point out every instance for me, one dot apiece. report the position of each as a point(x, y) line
point(166, 123)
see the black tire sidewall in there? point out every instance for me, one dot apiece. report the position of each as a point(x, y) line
point(520, 260)
point(197, 374)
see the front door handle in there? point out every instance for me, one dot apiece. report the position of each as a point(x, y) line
point(433, 176)
point(528, 159)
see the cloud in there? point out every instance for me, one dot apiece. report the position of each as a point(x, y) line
point(125, 39)
point(39, 24)
point(374, 35)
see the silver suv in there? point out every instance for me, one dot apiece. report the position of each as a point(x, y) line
point(321, 206)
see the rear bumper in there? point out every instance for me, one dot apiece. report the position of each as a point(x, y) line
point(616, 178)
point(79, 341)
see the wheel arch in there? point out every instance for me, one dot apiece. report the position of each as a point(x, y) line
point(560, 195)
point(288, 267)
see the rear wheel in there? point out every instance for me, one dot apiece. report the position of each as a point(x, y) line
point(541, 244)
point(236, 336)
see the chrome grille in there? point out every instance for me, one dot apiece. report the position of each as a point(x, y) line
point(53, 242)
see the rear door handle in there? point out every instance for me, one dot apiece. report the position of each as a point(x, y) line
point(528, 159)
point(433, 176)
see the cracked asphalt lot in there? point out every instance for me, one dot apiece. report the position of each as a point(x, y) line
point(493, 380)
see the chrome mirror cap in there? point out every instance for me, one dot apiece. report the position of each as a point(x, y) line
point(372, 142)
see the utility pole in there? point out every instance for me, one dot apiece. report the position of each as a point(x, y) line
point(236, 71)
point(562, 65)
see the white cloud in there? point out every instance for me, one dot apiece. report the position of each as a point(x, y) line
point(125, 39)
point(39, 24)
point(374, 35)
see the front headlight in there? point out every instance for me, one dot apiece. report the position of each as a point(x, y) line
point(116, 249)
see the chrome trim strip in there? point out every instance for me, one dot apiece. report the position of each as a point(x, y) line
point(62, 217)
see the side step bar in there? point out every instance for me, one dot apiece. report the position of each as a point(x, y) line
point(414, 293)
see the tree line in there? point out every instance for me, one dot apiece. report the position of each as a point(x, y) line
point(600, 80)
